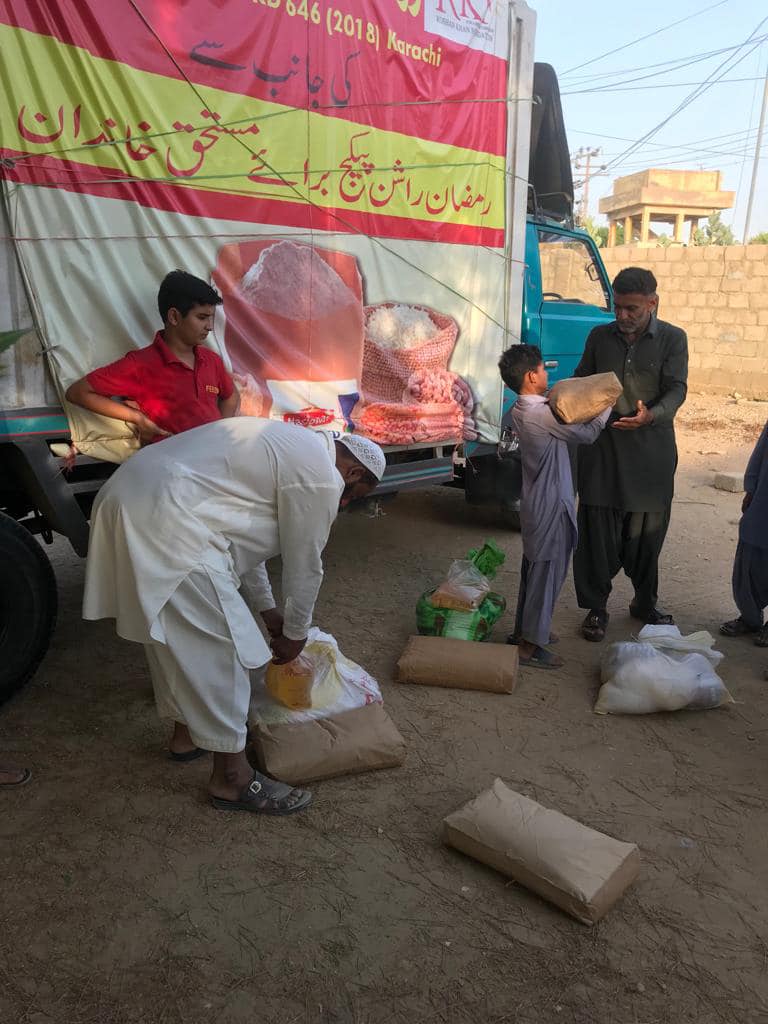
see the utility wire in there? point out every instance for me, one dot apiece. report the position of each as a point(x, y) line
point(724, 148)
point(721, 70)
point(644, 164)
point(641, 39)
point(747, 144)
point(675, 64)
point(669, 85)
point(692, 144)
point(656, 73)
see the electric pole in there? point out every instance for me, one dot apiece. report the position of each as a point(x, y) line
point(756, 164)
point(586, 154)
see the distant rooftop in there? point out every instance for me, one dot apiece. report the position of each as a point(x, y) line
point(666, 196)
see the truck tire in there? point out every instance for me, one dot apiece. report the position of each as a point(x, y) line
point(28, 604)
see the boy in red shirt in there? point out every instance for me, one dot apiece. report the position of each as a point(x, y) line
point(173, 384)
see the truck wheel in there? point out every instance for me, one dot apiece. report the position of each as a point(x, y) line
point(28, 604)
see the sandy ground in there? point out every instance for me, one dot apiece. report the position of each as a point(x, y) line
point(126, 898)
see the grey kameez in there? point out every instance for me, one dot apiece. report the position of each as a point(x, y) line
point(547, 510)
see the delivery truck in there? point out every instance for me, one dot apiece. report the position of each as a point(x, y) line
point(380, 191)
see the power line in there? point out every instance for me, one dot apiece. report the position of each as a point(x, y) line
point(662, 145)
point(650, 35)
point(746, 151)
point(620, 87)
point(690, 152)
point(644, 164)
point(722, 67)
point(674, 64)
point(654, 72)
point(756, 164)
point(671, 153)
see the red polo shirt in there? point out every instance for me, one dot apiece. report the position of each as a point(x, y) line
point(173, 395)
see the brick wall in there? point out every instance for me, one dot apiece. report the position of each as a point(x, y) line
point(562, 272)
point(719, 296)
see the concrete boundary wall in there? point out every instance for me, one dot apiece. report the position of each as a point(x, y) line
point(719, 295)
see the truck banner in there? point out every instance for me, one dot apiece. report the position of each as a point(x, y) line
point(336, 168)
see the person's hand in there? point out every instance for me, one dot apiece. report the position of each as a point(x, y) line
point(273, 620)
point(285, 650)
point(142, 426)
point(642, 418)
point(747, 501)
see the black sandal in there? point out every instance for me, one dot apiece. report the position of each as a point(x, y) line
point(737, 627)
point(655, 617)
point(761, 640)
point(594, 625)
point(266, 796)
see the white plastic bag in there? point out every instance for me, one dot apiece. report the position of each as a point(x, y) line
point(463, 589)
point(339, 685)
point(661, 671)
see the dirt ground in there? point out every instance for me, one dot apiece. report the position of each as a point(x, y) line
point(128, 900)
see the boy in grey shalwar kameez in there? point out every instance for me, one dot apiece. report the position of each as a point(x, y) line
point(547, 506)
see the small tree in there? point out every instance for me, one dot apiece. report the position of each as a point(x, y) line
point(761, 239)
point(599, 232)
point(714, 232)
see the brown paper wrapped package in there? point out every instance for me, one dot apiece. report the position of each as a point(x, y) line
point(580, 399)
point(462, 664)
point(582, 871)
point(355, 741)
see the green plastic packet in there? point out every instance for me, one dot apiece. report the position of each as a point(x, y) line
point(487, 559)
point(475, 624)
point(459, 625)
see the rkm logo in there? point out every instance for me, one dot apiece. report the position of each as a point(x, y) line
point(464, 10)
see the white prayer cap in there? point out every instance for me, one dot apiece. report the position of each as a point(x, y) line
point(366, 452)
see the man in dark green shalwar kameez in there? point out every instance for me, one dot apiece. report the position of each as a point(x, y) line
point(626, 479)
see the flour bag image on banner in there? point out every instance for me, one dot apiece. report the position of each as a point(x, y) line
point(294, 328)
point(305, 349)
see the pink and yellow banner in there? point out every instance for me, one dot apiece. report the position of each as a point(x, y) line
point(336, 168)
point(364, 120)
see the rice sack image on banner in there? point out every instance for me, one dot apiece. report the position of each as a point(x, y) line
point(305, 349)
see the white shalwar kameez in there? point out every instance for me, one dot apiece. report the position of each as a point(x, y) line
point(175, 533)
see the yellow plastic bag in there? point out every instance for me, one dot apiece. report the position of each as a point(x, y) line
point(337, 685)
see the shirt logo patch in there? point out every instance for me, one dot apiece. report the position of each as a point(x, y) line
point(212, 388)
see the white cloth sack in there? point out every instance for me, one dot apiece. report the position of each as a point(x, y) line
point(339, 685)
point(661, 671)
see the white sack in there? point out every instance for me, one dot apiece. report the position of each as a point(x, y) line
point(661, 671)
